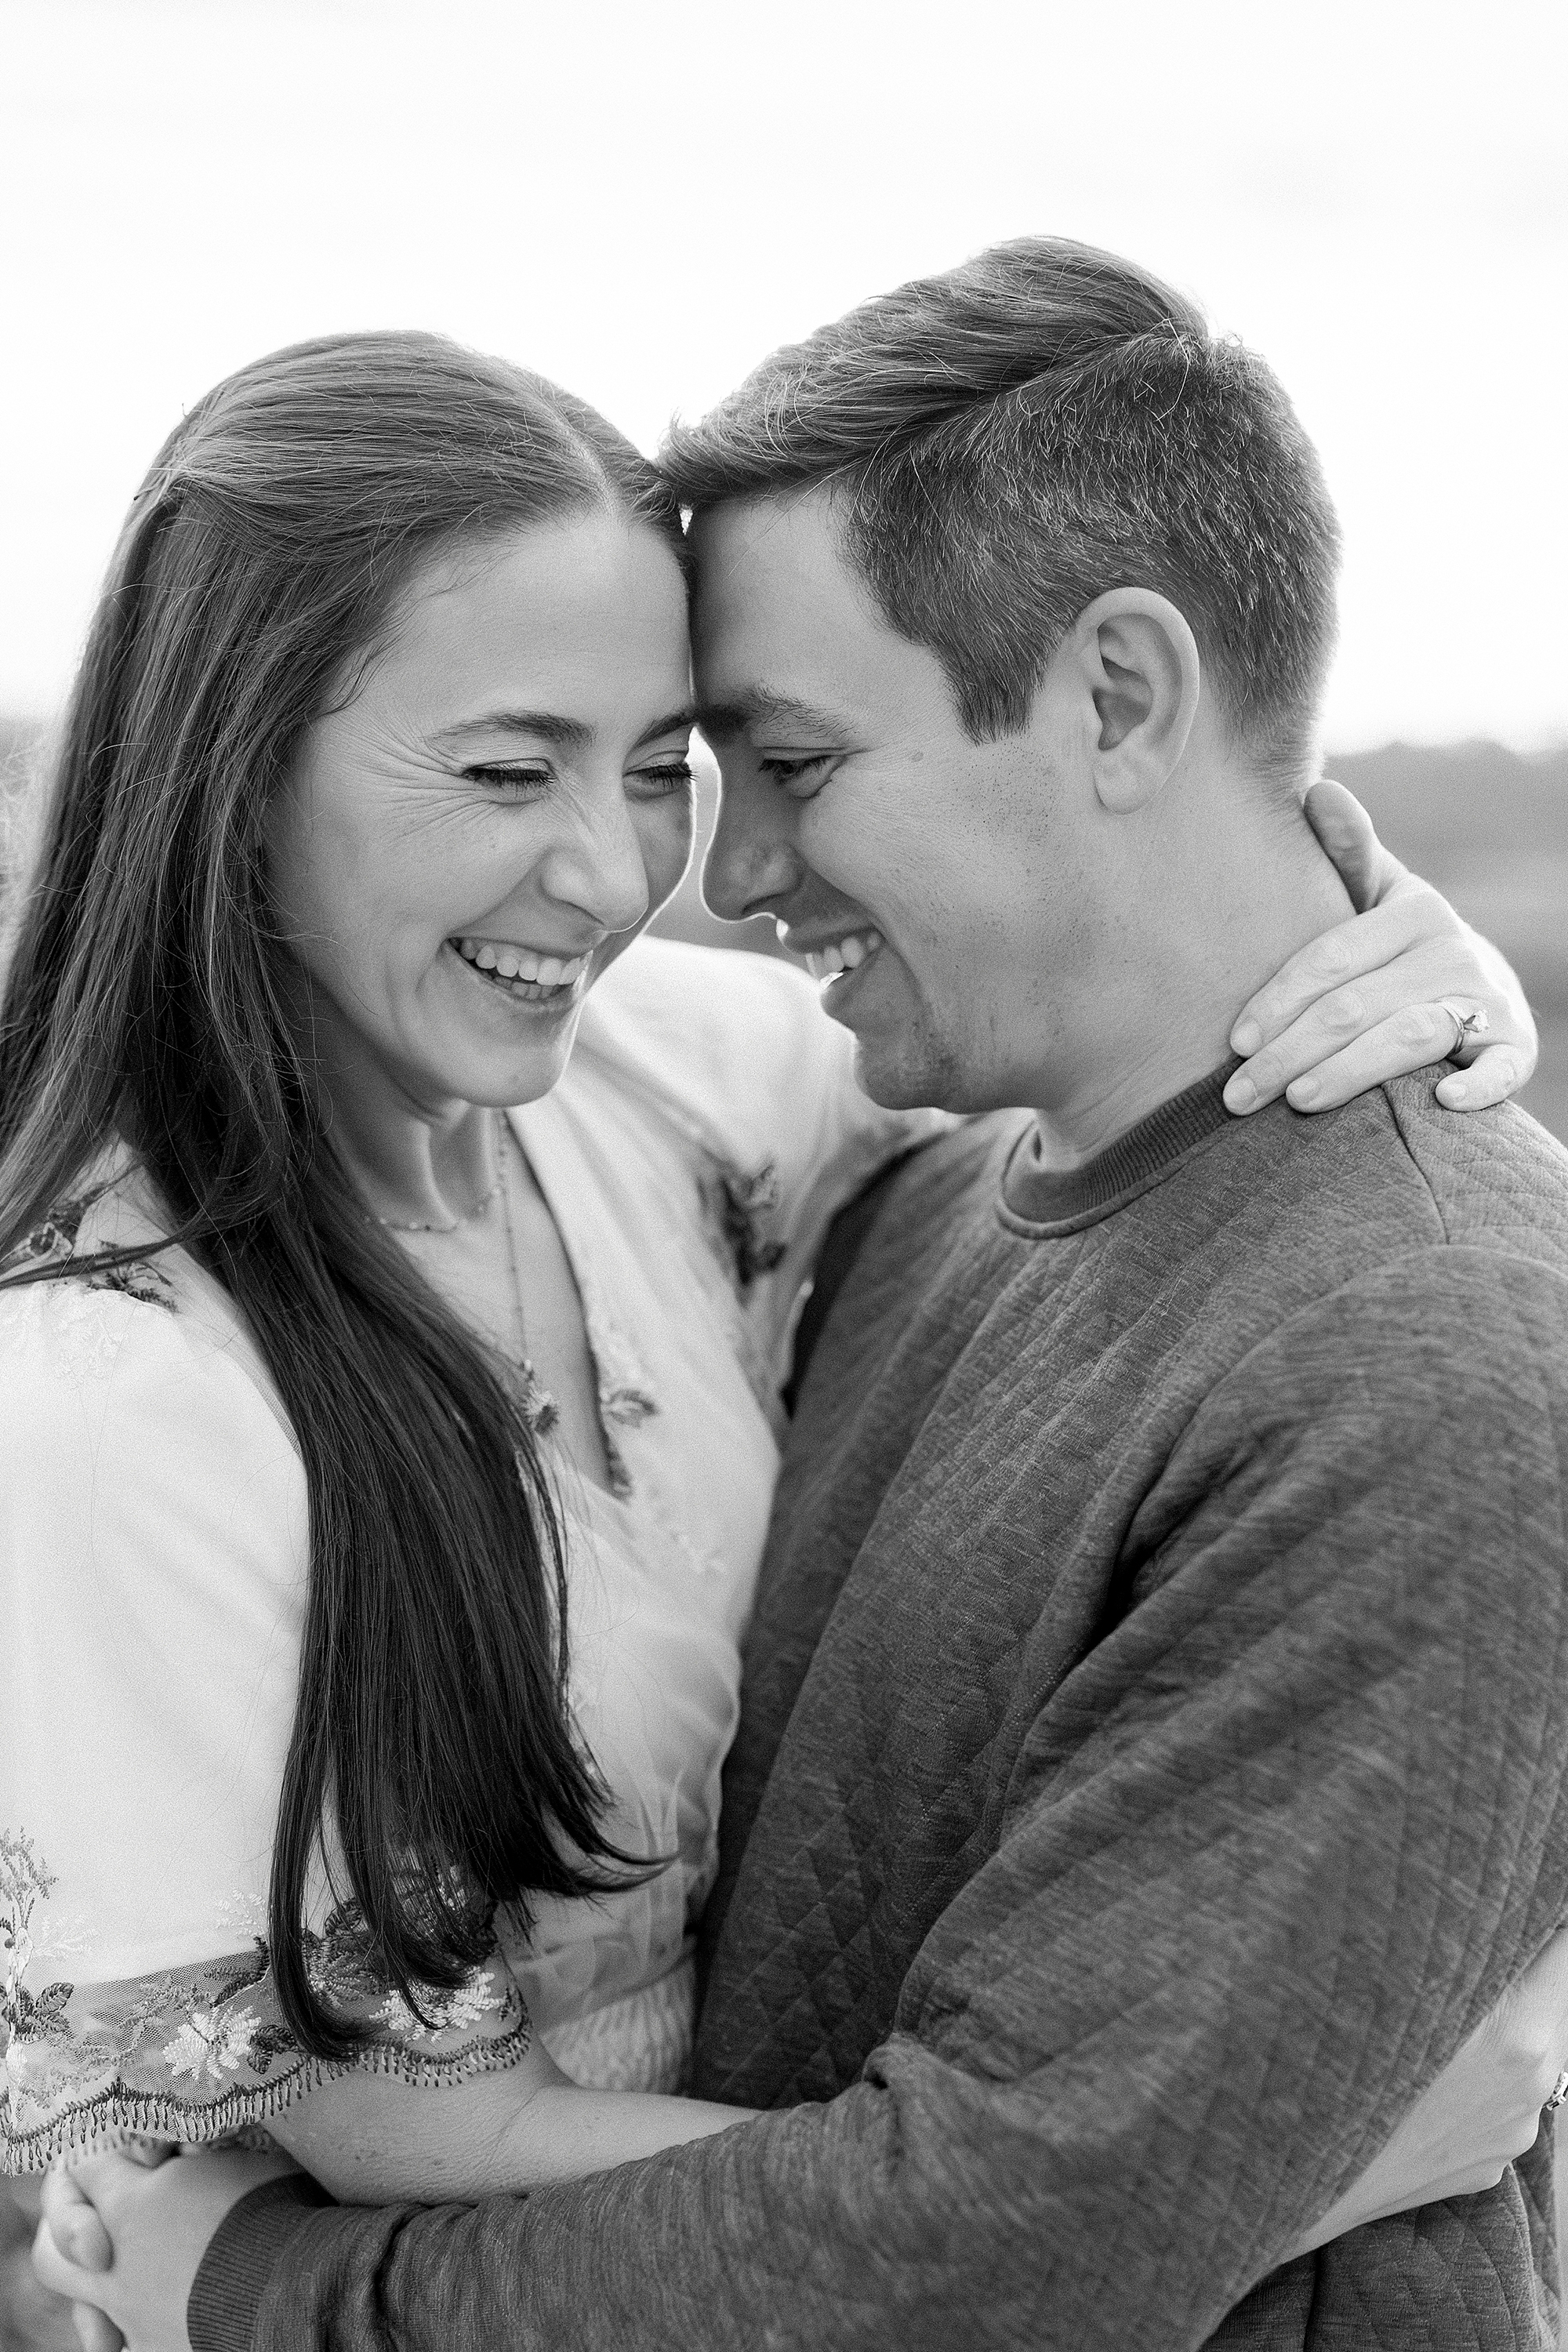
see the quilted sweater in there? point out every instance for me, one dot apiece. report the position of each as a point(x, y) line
point(1152, 1769)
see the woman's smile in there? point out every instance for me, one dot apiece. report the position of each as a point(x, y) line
point(523, 975)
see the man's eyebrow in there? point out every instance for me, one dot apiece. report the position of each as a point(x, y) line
point(759, 706)
point(572, 734)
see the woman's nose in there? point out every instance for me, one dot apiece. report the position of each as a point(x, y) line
point(598, 865)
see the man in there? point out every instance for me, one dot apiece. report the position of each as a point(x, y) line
point(1157, 1710)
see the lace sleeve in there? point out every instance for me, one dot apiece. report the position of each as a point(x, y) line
point(153, 1544)
point(195, 2053)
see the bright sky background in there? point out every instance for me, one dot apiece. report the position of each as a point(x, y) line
point(641, 199)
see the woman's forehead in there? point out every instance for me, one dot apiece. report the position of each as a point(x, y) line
point(584, 617)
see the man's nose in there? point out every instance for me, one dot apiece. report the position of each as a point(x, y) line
point(597, 865)
point(752, 860)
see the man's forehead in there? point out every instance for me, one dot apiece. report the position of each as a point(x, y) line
point(763, 562)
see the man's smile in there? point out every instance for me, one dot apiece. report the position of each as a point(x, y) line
point(831, 956)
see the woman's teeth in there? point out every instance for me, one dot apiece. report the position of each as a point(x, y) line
point(501, 961)
point(845, 955)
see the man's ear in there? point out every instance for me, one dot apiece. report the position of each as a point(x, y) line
point(1137, 660)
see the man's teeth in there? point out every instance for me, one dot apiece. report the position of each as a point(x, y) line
point(845, 955)
point(508, 962)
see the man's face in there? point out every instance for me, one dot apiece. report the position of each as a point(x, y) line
point(937, 872)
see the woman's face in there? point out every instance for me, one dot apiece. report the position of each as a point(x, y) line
point(495, 813)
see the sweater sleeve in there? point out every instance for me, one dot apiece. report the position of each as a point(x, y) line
point(1269, 1851)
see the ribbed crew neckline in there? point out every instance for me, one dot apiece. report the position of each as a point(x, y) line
point(1042, 1200)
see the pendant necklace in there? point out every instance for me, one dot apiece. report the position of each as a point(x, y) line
point(534, 1401)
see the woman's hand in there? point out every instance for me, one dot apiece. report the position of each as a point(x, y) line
point(124, 2242)
point(1363, 1002)
point(1482, 2111)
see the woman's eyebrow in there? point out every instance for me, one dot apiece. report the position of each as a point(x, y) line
point(571, 733)
point(678, 722)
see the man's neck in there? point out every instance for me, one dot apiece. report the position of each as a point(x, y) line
point(1158, 1018)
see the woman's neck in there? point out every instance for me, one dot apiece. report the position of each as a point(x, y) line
point(413, 1166)
point(413, 1161)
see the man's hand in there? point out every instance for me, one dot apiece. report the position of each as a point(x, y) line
point(1483, 2110)
point(124, 2243)
point(1364, 1002)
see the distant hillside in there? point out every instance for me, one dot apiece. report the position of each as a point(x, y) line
point(1486, 826)
point(1490, 829)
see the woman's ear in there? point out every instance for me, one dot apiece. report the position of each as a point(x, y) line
point(1138, 662)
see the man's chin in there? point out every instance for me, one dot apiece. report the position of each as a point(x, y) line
point(904, 1074)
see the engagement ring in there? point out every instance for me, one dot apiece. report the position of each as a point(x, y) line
point(1474, 1024)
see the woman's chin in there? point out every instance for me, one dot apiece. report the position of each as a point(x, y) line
point(497, 1082)
point(505, 1042)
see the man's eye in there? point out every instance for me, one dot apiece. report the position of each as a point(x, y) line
point(801, 775)
point(669, 776)
point(515, 783)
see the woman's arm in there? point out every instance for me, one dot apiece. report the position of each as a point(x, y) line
point(1364, 1002)
point(1481, 2112)
point(371, 2139)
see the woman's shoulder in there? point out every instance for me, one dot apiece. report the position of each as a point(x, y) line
point(752, 1090)
point(731, 1045)
point(719, 1006)
point(96, 1297)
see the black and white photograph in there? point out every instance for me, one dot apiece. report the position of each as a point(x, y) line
point(783, 1177)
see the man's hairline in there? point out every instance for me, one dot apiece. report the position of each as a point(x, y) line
point(782, 495)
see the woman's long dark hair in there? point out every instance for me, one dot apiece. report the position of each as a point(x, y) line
point(260, 564)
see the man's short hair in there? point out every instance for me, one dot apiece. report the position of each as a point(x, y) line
point(1004, 442)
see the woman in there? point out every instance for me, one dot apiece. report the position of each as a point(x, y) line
point(355, 1351)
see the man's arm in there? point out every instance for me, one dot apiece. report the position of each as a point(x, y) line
point(1270, 1852)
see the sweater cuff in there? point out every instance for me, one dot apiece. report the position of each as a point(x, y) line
point(241, 2256)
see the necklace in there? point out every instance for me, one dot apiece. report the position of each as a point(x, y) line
point(398, 1225)
point(536, 1404)
point(534, 1399)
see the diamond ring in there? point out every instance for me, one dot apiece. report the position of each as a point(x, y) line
point(1473, 1023)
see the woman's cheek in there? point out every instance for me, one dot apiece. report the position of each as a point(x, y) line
point(667, 840)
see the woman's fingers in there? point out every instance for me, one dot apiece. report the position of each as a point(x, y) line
point(56, 2270)
point(1411, 1040)
point(1366, 943)
point(1315, 1071)
point(1491, 1077)
point(1526, 2033)
point(1348, 838)
point(1389, 1019)
point(95, 2330)
point(74, 2223)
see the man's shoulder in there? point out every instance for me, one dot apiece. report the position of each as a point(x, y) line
point(1395, 1243)
point(1306, 1204)
point(1417, 1265)
point(937, 1205)
point(1497, 1179)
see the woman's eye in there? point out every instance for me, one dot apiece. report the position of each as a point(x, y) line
point(517, 783)
point(669, 776)
point(801, 775)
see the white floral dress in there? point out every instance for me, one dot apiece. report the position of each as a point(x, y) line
point(154, 1556)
